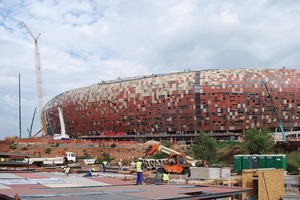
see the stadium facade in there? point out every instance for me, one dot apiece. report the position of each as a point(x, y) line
point(214, 101)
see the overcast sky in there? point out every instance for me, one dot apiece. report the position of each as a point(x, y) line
point(85, 42)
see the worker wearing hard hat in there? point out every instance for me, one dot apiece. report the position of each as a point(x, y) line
point(139, 171)
point(66, 169)
point(90, 173)
point(104, 166)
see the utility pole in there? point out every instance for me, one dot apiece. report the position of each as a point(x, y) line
point(20, 117)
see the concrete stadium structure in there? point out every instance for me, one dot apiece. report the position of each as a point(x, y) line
point(215, 101)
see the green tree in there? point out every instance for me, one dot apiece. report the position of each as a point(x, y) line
point(167, 144)
point(293, 161)
point(113, 145)
point(105, 157)
point(48, 150)
point(257, 141)
point(160, 155)
point(204, 148)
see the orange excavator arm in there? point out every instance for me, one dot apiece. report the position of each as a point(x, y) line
point(151, 149)
point(158, 147)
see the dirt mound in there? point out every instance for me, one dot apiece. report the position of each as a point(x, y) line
point(82, 149)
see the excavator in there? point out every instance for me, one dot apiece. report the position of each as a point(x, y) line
point(176, 163)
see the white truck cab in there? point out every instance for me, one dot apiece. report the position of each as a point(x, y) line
point(70, 156)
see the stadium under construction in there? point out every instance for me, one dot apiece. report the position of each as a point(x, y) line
point(176, 106)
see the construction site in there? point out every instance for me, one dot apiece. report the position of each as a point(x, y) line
point(29, 180)
point(127, 120)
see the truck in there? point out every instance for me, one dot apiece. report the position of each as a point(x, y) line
point(176, 163)
point(67, 158)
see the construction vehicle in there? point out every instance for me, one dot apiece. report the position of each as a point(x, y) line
point(62, 135)
point(176, 163)
point(68, 157)
point(275, 112)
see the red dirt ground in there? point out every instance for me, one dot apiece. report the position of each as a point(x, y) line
point(128, 151)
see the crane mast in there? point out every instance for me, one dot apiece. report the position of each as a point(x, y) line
point(275, 112)
point(38, 76)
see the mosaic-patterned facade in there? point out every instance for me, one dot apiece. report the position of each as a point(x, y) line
point(216, 101)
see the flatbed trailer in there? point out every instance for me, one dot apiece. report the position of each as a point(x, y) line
point(13, 160)
point(61, 160)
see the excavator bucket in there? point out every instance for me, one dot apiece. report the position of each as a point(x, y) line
point(147, 150)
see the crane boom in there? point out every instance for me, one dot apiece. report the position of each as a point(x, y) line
point(38, 75)
point(275, 111)
point(62, 135)
point(176, 162)
point(158, 147)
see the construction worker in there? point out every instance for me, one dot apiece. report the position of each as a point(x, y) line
point(139, 171)
point(120, 165)
point(66, 169)
point(90, 173)
point(189, 173)
point(205, 164)
point(104, 166)
point(165, 178)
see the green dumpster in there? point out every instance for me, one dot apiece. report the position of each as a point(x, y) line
point(280, 162)
point(246, 162)
point(262, 161)
point(238, 163)
point(270, 161)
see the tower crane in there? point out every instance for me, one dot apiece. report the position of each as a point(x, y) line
point(38, 76)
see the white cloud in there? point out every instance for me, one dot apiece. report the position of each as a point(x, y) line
point(85, 42)
point(9, 100)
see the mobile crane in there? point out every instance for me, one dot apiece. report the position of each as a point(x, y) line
point(275, 111)
point(62, 135)
point(177, 162)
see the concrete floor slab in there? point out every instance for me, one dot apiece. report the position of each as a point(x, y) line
point(23, 181)
point(58, 186)
point(56, 174)
point(4, 187)
point(9, 175)
point(111, 181)
point(77, 182)
point(29, 175)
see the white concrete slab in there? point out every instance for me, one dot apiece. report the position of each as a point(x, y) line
point(57, 174)
point(114, 175)
point(31, 181)
point(17, 181)
point(51, 180)
point(205, 173)
point(4, 187)
point(77, 182)
point(68, 185)
point(9, 175)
